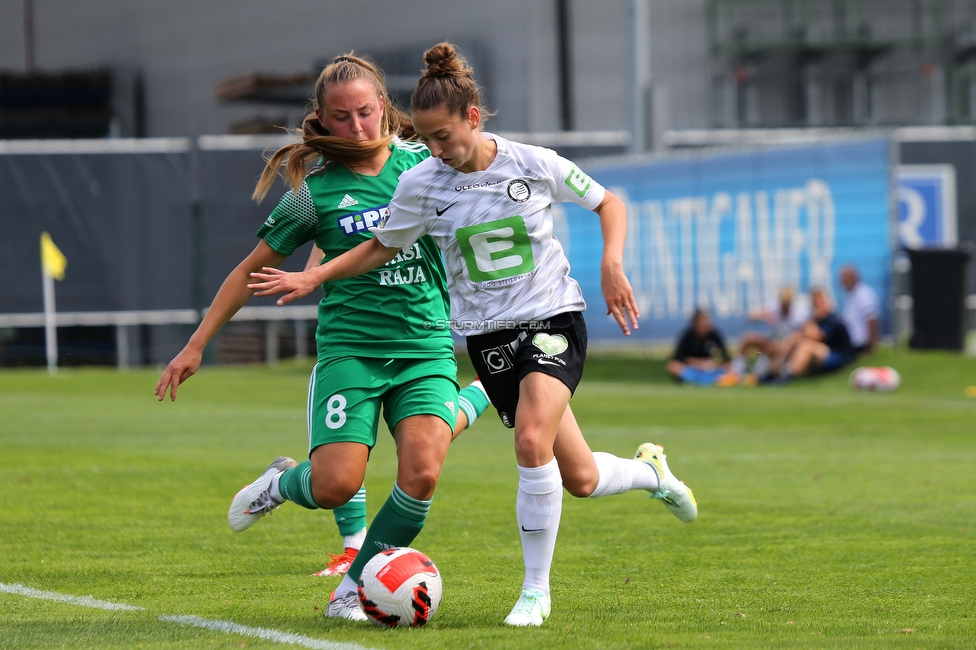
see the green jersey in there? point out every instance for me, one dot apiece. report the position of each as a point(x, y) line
point(397, 310)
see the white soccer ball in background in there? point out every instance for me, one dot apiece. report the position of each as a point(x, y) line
point(400, 586)
point(871, 378)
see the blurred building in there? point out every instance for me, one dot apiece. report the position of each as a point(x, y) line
point(790, 63)
point(546, 66)
point(183, 50)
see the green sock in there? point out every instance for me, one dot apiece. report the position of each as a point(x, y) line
point(350, 517)
point(473, 401)
point(397, 523)
point(295, 484)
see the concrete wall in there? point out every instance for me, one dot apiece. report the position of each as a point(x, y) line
point(183, 48)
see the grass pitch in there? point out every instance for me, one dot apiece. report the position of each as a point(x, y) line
point(828, 518)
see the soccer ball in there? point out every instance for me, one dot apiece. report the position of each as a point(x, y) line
point(400, 586)
point(884, 378)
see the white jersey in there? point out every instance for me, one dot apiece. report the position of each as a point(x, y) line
point(797, 316)
point(504, 266)
point(860, 307)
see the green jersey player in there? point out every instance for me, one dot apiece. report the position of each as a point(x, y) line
point(487, 203)
point(376, 348)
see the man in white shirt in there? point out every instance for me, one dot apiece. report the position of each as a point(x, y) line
point(860, 313)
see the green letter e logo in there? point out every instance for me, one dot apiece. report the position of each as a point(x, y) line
point(497, 249)
point(578, 181)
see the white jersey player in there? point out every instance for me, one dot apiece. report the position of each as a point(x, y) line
point(495, 227)
point(487, 204)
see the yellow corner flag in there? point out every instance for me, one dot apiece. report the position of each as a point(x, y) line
point(52, 259)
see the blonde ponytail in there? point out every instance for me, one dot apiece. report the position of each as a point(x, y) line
point(293, 161)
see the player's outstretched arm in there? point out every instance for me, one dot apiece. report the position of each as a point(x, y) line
point(616, 287)
point(232, 295)
point(365, 257)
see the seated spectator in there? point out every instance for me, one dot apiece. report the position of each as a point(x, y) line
point(700, 356)
point(784, 315)
point(821, 346)
point(860, 313)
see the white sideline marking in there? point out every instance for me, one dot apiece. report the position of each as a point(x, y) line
point(84, 601)
point(229, 627)
point(261, 633)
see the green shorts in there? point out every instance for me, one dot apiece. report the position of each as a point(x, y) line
point(345, 395)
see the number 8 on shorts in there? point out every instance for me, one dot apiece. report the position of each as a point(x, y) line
point(335, 413)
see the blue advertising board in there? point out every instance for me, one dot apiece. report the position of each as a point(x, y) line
point(926, 205)
point(727, 231)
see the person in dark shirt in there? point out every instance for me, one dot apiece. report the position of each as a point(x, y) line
point(822, 345)
point(700, 356)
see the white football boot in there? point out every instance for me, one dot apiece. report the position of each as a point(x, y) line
point(674, 494)
point(255, 501)
point(347, 607)
point(532, 609)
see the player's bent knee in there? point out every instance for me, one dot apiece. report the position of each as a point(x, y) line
point(332, 494)
point(419, 484)
point(578, 489)
point(580, 481)
point(533, 449)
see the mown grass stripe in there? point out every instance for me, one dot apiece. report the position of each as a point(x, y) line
point(229, 627)
point(261, 633)
point(83, 601)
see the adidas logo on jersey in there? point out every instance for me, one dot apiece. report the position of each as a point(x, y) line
point(347, 201)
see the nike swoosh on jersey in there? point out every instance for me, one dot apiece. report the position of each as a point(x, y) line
point(440, 211)
point(547, 362)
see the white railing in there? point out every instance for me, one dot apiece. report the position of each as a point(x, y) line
point(123, 320)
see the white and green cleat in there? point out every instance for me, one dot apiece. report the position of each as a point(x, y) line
point(531, 609)
point(255, 501)
point(676, 496)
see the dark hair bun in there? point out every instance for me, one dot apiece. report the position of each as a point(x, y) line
point(443, 60)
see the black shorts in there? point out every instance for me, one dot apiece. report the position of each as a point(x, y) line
point(555, 346)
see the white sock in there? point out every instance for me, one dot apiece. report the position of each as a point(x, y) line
point(346, 587)
point(273, 490)
point(537, 508)
point(738, 365)
point(619, 475)
point(355, 540)
point(761, 365)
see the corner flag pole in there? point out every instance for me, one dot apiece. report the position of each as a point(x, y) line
point(53, 263)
